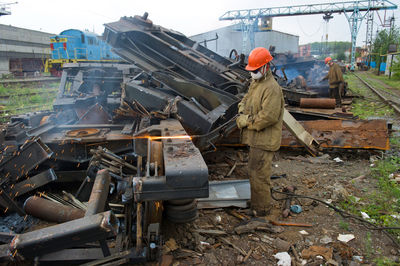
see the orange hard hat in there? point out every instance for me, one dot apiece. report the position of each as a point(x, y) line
point(327, 60)
point(258, 57)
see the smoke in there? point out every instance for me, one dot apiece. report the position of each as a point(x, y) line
point(306, 75)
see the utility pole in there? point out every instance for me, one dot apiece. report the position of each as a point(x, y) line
point(327, 17)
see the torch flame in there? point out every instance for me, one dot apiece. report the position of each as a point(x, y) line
point(163, 137)
point(170, 137)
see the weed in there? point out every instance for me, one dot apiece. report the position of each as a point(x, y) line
point(350, 204)
point(368, 246)
point(384, 262)
point(395, 142)
point(344, 225)
point(391, 82)
point(3, 90)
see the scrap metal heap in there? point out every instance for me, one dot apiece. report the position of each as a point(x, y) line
point(131, 136)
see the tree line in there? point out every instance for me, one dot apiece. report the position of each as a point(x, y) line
point(334, 49)
point(380, 47)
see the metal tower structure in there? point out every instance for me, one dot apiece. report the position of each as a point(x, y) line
point(369, 33)
point(353, 11)
point(5, 9)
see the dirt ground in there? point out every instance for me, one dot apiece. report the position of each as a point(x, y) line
point(325, 179)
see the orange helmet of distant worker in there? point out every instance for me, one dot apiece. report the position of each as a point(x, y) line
point(327, 60)
point(258, 57)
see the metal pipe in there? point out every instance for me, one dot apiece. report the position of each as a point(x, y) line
point(51, 211)
point(99, 194)
point(322, 103)
point(65, 235)
point(148, 157)
point(139, 230)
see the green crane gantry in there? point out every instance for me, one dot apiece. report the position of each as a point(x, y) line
point(353, 10)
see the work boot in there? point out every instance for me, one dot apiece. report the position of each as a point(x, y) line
point(256, 213)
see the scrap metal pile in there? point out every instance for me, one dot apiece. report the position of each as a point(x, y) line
point(125, 141)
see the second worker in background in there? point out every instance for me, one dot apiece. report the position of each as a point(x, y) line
point(260, 121)
point(336, 81)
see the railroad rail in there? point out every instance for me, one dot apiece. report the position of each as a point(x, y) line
point(49, 91)
point(29, 80)
point(389, 98)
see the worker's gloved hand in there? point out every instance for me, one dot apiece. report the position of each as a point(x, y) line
point(241, 121)
point(241, 108)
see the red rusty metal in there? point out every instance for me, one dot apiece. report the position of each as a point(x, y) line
point(51, 211)
point(342, 134)
point(347, 134)
point(322, 103)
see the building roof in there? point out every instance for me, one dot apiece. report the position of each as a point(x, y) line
point(237, 25)
point(9, 27)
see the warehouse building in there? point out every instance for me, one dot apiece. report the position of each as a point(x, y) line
point(223, 40)
point(23, 51)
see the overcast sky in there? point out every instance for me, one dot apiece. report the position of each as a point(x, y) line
point(188, 17)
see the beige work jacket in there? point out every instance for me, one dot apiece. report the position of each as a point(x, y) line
point(264, 104)
point(335, 76)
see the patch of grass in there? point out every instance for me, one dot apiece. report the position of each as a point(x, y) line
point(365, 109)
point(350, 204)
point(3, 90)
point(355, 85)
point(344, 225)
point(394, 83)
point(395, 142)
point(386, 201)
point(19, 103)
point(383, 203)
point(384, 262)
point(368, 246)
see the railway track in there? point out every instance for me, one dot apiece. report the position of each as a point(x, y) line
point(389, 98)
point(8, 96)
point(37, 107)
point(29, 80)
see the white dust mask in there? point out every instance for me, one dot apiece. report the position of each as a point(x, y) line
point(256, 76)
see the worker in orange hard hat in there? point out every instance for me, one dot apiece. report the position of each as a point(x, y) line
point(260, 121)
point(336, 81)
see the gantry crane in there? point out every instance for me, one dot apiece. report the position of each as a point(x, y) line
point(5, 9)
point(353, 10)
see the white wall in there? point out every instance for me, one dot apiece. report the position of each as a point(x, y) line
point(229, 38)
point(396, 59)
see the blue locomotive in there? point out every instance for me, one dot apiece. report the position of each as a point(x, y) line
point(73, 46)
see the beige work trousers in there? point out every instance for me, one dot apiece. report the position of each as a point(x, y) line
point(259, 168)
point(336, 93)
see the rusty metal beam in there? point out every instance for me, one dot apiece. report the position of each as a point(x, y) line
point(300, 133)
point(31, 154)
point(65, 235)
point(98, 197)
point(33, 182)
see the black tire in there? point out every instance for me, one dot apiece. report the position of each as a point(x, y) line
point(181, 211)
point(179, 202)
point(181, 208)
point(182, 217)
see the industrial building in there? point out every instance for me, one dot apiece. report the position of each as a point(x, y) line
point(23, 51)
point(223, 40)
